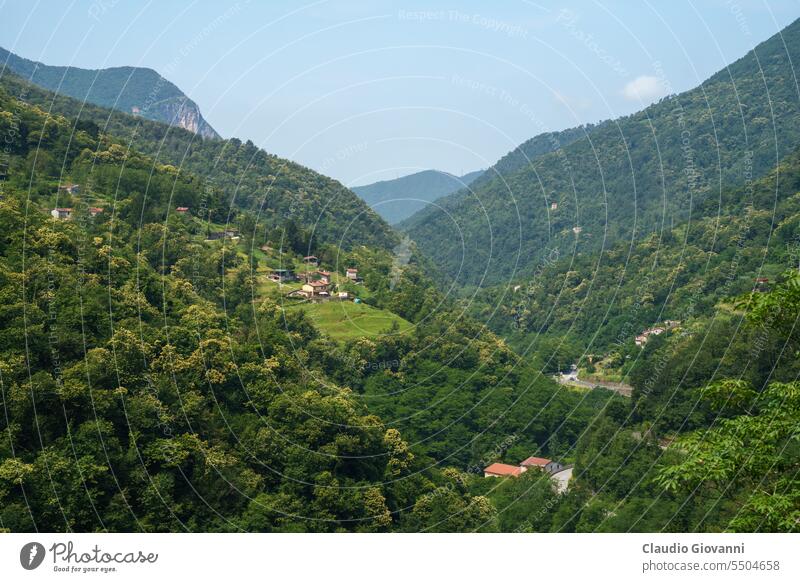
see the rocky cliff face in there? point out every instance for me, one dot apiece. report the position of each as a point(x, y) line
point(178, 112)
point(136, 90)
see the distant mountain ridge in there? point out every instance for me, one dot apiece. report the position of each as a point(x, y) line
point(622, 179)
point(135, 90)
point(285, 194)
point(395, 200)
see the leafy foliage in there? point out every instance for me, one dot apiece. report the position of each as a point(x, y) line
point(626, 179)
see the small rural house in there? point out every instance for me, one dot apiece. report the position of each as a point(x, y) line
point(545, 465)
point(94, 211)
point(323, 276)
point(229, 233)
point(315, 288)
point(554, 206)
point(577, 229)
point(642, 338)
point(70, 188)
point(311, 260)
point(182, 209)
point(61, 213)
point(352, 274)
point(281, 275)
point(344, 295)
point(502, 470)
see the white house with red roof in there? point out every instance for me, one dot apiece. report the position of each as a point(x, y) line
point(558, 473)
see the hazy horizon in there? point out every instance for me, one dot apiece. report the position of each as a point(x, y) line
point(371, 93)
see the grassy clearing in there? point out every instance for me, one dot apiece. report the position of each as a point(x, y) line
point(344, 320)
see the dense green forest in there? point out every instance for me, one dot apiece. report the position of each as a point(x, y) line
point(150, 380)
point(277, 191)
point(622, 180)
point(145, 387)
point(596, 303)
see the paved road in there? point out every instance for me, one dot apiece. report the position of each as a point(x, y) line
point(573, 380)
point(562, 479)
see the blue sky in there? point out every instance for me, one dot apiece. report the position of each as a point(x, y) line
point(372, 90)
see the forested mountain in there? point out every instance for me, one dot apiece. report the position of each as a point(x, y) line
point(595, 301)
point(624, 180)
point(280, 192)
point(134, 90)
point(153, 378)
point(397, 199)
point(171, 390)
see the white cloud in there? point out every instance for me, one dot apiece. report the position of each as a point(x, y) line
point(644, 88)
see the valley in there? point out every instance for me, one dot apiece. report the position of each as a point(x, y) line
point(208, 337)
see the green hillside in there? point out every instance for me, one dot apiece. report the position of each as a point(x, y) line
point(129, 89)
point(153, 378)
point(313, 209)
point(160, 381)
point(624, 180)
point(346, 320)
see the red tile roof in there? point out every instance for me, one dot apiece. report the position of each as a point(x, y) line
point(503, 469)
point(534, 462)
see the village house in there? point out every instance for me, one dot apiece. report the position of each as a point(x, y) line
point(94, 211)
point(577, 229)
point(545, 465)
point(315, 288)
point(323, 276)
point(311, 260)
point(352, 274)
point(182, 209)
point(344, 295)
point(642, 338)
point(554, 206)
point(229, 233)
point(502, 470)
point(281, 275)
point(70, 188)
point(61, 213)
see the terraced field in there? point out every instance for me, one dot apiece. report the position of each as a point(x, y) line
point(343, 320)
